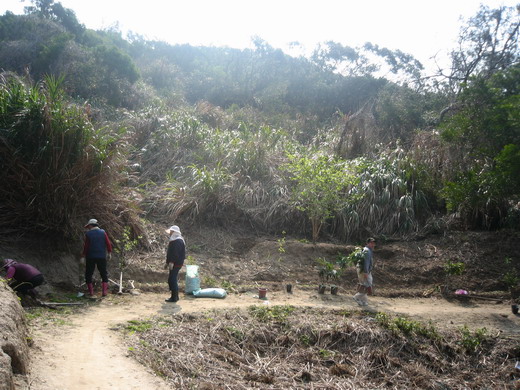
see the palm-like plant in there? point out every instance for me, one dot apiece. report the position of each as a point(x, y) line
point(388, 199)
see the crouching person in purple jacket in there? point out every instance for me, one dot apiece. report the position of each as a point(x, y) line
point(22, 278)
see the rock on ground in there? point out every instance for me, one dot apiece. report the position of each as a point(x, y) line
point(14, 351)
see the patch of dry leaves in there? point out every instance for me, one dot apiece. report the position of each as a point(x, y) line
point(282, 347)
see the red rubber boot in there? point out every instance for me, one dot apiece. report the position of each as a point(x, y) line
point(90, 287)
point(104, 289)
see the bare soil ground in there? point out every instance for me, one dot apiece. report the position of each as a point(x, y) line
point(413, 268)
point(86, 353)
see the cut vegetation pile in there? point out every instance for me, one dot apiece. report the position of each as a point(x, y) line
point(282, 347)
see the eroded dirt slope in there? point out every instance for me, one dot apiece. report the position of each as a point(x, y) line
point(403, 268)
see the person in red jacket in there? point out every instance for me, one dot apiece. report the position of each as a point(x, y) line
point(97, 249)
point(23, 277)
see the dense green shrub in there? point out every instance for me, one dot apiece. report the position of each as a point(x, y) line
point(321, 187)
point(486, 130)
point(57, 169)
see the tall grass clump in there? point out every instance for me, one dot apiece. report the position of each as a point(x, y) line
point(196, 171)
point(262, 176)
point(389, 200)
point(57, 170)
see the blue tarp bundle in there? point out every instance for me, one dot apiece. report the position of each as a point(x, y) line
point(210, 293)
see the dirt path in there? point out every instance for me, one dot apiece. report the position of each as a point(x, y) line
point(89, 355)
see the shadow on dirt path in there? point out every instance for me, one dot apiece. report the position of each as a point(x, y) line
point(90, 355)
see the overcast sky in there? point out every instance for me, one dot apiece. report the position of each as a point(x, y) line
point(423, 28)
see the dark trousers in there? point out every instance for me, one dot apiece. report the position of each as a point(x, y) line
point(24, 287)
point(173, 282)
point(91, 265)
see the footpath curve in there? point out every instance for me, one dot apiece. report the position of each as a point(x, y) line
point(89, 355)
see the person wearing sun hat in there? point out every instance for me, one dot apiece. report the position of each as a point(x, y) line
point(23, 277)
point(364, 272)
point(97, 249)
point(175, 255)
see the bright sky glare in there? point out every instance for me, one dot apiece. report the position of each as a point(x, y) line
point(423, 28)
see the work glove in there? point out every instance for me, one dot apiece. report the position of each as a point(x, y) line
point(82, 261)
point(109, 256)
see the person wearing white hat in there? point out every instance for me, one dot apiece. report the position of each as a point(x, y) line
point(97, 248)
point(175, 256)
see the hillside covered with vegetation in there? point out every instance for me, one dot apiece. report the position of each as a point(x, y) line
point(96, 124)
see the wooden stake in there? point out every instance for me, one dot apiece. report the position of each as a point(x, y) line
point(120, 283)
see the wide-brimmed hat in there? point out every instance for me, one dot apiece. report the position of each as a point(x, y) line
point(93, 222)
point(8, 263)
point(174, 228)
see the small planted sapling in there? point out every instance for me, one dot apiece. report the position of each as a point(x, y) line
point(354, 259)
point(512, 281)
point(328, 272)
point(452, 268)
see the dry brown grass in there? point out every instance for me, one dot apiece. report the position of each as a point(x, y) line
point(282, 347)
